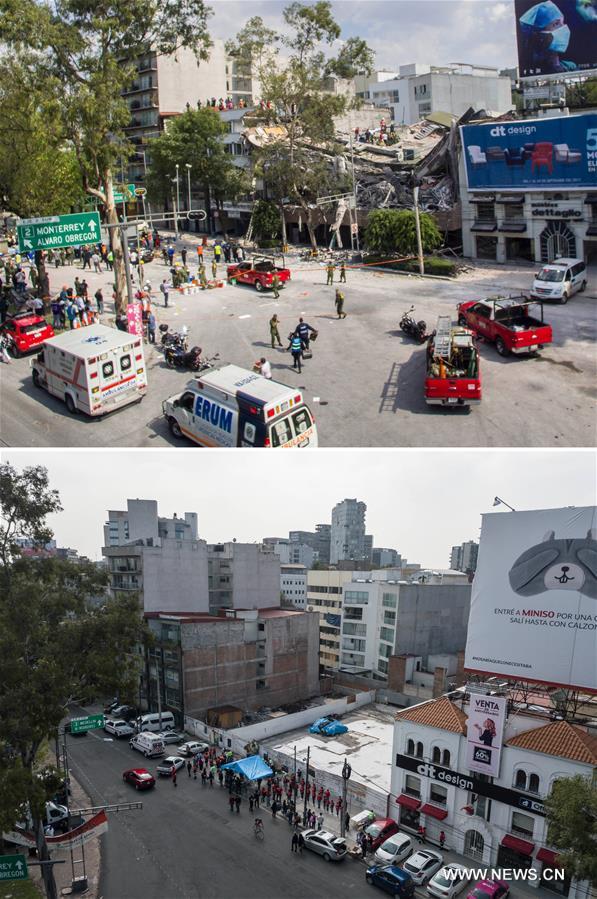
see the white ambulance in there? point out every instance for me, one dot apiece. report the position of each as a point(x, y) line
point(231, 406)
point(94, 369)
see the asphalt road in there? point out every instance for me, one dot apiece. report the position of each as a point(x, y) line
point(365, 381)
point(185, 843)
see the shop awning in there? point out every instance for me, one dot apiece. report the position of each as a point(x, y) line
point(434, 812)
point(408, 802)
point(591, 200)
point(482, 198)
point(523, 847)
point(514, 227)
point(592, 231)
point(549, 857)
point(516, 200)
point(484, 226)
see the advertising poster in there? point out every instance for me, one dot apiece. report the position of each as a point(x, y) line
point(134, 317)
point(534, 598)
point(556, 37)
point(532, 154)
point(485, 732)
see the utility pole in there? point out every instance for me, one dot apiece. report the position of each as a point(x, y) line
point(354, 238)
point(188, 167)
point(306, 788)
point(177, 200)
point(346, 772)
point(418, 225)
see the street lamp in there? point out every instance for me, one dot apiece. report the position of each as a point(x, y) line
point(500, 502)
point(188, 167)
point(346, 772)
point(175, 204)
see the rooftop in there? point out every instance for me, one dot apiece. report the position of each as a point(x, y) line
point(560, 739)
point(440, 713)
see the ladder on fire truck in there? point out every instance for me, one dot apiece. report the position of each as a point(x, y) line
point(442, 342)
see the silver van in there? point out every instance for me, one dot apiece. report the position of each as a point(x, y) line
point(155, 722)
point(559, 279)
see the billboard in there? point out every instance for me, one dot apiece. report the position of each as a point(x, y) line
point(556, 38)
point(484, 733)
point(534, 598)
point(532, 154)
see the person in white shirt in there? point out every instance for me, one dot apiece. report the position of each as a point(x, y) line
point(265, 368)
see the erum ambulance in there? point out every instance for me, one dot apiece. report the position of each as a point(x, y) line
point(231, 406)
point(93, 369)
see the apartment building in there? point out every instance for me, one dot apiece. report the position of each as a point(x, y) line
point(318, 540)
point(464, 557)
point(324, 596)
point(242, 576)
point(293, 584)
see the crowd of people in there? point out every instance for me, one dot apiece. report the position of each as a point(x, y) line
point(383, 135)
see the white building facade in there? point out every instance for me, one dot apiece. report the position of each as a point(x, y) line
point(293, 584)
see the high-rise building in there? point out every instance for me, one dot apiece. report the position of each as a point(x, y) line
point(464, 557)
point(159, 558)
point(324, 595)
point(243, 576)
point(319, 540)
point(348, 539)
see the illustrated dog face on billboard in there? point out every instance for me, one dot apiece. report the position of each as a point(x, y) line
point(557, 564)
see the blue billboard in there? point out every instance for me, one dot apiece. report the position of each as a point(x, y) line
point(556, 37)
point(532, 154)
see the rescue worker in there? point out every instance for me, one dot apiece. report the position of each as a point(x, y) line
point(342, 273)
point(214, 269)
point(276, 286)
point(273, 330)
point(330, 270)
point(202, 277)
point(303, 329)
point(339, 302)
point(296, 348)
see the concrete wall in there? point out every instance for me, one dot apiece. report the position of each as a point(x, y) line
point(182, 79)
point(292, 658)
point(256, 578)
point(175, 577)
point(219, 666)
point(457, 93)
point(432, 619)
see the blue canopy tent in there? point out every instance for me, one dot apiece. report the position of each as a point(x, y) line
point(253, 768)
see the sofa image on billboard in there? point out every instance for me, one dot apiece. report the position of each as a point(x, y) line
point(477, 156)
point(564, 154)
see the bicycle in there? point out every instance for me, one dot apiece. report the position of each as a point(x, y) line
point(258, 829)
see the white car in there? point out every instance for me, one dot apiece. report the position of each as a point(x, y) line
point(331, 847)
point(449, 881)
point(165, 766)
point(119, 728)
point(192, 748)
point(394, 850)
point(171, 736)
point(423, 865)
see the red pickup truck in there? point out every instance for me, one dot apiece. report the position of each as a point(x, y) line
point(452, 376)
point(259, 271)
point(507, 322)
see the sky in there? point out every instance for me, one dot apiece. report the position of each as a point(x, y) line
point(438, 32)
point(419, 502)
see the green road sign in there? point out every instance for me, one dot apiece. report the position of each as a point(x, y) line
point(125, 195)
point(78, 725)
point(13, 867)
point(57, 231)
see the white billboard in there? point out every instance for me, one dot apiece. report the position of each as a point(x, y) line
point(534, 598)
point(485, 731)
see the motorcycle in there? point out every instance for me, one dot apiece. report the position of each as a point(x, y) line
point(412, 328)
point(176, 357)
point(174, 338)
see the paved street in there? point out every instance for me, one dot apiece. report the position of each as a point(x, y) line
point(365, 381)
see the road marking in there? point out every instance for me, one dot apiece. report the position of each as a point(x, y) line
point(244, 316)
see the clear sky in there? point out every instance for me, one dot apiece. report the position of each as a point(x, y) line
point(420, 502)
point(401, 31)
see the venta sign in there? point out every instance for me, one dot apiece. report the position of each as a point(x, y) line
point(470, 783)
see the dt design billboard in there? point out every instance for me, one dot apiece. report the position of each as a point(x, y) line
point(532, 154)
point(485, 731)
point(556, 37)
point(534, 598)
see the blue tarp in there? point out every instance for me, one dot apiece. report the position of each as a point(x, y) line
point(317, 725)
point(253, 768)
point(334, 728)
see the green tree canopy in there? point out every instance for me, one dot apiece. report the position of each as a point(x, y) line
point(572, 825)
point(266, 220)
point(392, 231)
point(56, 645)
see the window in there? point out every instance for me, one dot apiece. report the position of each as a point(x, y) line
point(446, 758)
point(353, 645)
point(389, 600)
point(410, 747)
point(419, 752)
point(354, 630)
point(386, 633)
point(520, 781)
point(385, 651)
point(389, 617)
point(353, 614)
point(437, 794)
point(522, 824)
point(412, 786)
point(108, 369)
point(302, 421)
point(533, 783)
point(382, 666)
point(281, 432)
point(356, 596)
point(436, 755)
point(485, 212)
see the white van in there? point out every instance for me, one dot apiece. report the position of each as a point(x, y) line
point(149, 744)
point(155, 722)
point(231, 406)
point(559, 279)
point(93, 369)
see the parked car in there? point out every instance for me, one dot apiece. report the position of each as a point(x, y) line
point(259, 272)
point(192, 747)
point(171, 736)
point(489, 889)
point(25, 332)
point(331, 847)
point(423, 865)
point(395, 849)
point(110, 706)
point(140, 778)
point(126, 712)
point(391, 879)
point(380, 830)
point(507, 322)
point(119, 728)
point(164, 769)
point(449, 881)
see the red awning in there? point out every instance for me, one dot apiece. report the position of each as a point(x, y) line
point(408, 801)
point(434, 812)
point(521, 846)
point(549, 857)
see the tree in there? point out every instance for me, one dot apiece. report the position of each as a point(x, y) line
point(297, 168)
point(572, 825)
point(266, 220)
point(89, 48)
point(391, 231)
point(55, 646)
point(195, 138)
